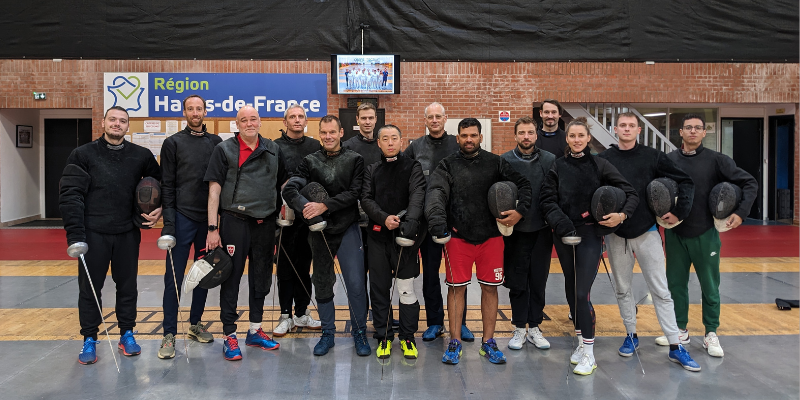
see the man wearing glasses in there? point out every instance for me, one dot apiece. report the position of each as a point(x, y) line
point(696, 240)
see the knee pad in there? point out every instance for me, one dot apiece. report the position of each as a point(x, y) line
point(406, 289)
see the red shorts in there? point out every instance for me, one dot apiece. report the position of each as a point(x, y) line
point(487, 257)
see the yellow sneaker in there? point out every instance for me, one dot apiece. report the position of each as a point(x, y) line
point(409, 349)
point(384, 349)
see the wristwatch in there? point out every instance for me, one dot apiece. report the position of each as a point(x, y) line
point(212, 228)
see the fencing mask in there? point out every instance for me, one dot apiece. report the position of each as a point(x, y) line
point(148, 199)
point(314, 192)
point(503, 197)
point(723, 201)
point(662, 195)
point(209, 271)
point(606, 200)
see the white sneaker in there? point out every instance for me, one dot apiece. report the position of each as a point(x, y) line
point(683, 336)
point(586, 366)
point(518, 340)
point(535, 337)
point(711, 342)
point(307, 321)
point(577, 355)
point(285, 325)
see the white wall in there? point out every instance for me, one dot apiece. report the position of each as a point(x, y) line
point(19, 167)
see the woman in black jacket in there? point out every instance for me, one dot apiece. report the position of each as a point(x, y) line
point(566, 203)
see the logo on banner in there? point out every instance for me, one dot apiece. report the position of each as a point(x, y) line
point(231, 249)
point(127, 90)
point(505, 116)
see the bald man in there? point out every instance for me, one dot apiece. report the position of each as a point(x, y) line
point(244, 178)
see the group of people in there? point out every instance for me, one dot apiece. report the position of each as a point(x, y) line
point(369, 212)
point(366, 78)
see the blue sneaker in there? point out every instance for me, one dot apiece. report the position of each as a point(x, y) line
point(492, 353)
point(88, 354)
point(261, 339)
point(453, 352)
point(629, 346)
point(362, 346)
point(466, 334)
point(230, 348)
point(682, 357)
point(433, 332)
point(128, 345)
point(325, 343)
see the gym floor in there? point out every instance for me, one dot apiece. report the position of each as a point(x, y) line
point(39, 339)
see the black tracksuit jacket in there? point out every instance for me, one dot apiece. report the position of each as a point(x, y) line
point(184, 161)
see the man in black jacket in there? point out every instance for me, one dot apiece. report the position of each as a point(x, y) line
point(365, 144)
point(184, 160)
point(244, 179)
point(639, 236)
point(364, 141)
point(696, 241)
point(294, 259)
point(340, 172)
point(528, 249)
point(97, 202)
point(457, 205)
point(551, 137)
point(429, 150)
point(393, 185)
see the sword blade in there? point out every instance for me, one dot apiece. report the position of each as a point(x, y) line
point(100, 309)
point(178, 298)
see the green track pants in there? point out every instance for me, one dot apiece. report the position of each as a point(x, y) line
point(703, 252)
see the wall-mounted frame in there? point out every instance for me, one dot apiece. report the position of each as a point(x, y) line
point(24, 136)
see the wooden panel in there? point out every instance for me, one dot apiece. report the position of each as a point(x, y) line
point(156, 267)
point(735, 319)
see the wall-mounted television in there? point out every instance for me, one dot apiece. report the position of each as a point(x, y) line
point(365, 74)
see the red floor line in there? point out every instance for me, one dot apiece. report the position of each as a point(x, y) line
point(51, 244)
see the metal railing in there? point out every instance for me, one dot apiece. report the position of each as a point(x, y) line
point(606, 115)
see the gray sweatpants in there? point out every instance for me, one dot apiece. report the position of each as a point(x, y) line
point(650, 254)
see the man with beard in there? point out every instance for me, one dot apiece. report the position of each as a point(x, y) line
point(244, 181)
point(458, 205)
point(340, 172)
point(294, 258)
point(528, 248)
point(429, 150)
point(551, 138)
point(97, 202)
point(391, 186)
point(184, 160)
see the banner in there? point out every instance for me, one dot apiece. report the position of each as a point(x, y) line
point(162, 94)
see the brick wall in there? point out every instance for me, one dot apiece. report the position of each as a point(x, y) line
point(796, 164)
point(465, 88)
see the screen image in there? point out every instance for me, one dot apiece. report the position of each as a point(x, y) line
point(365, 74)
